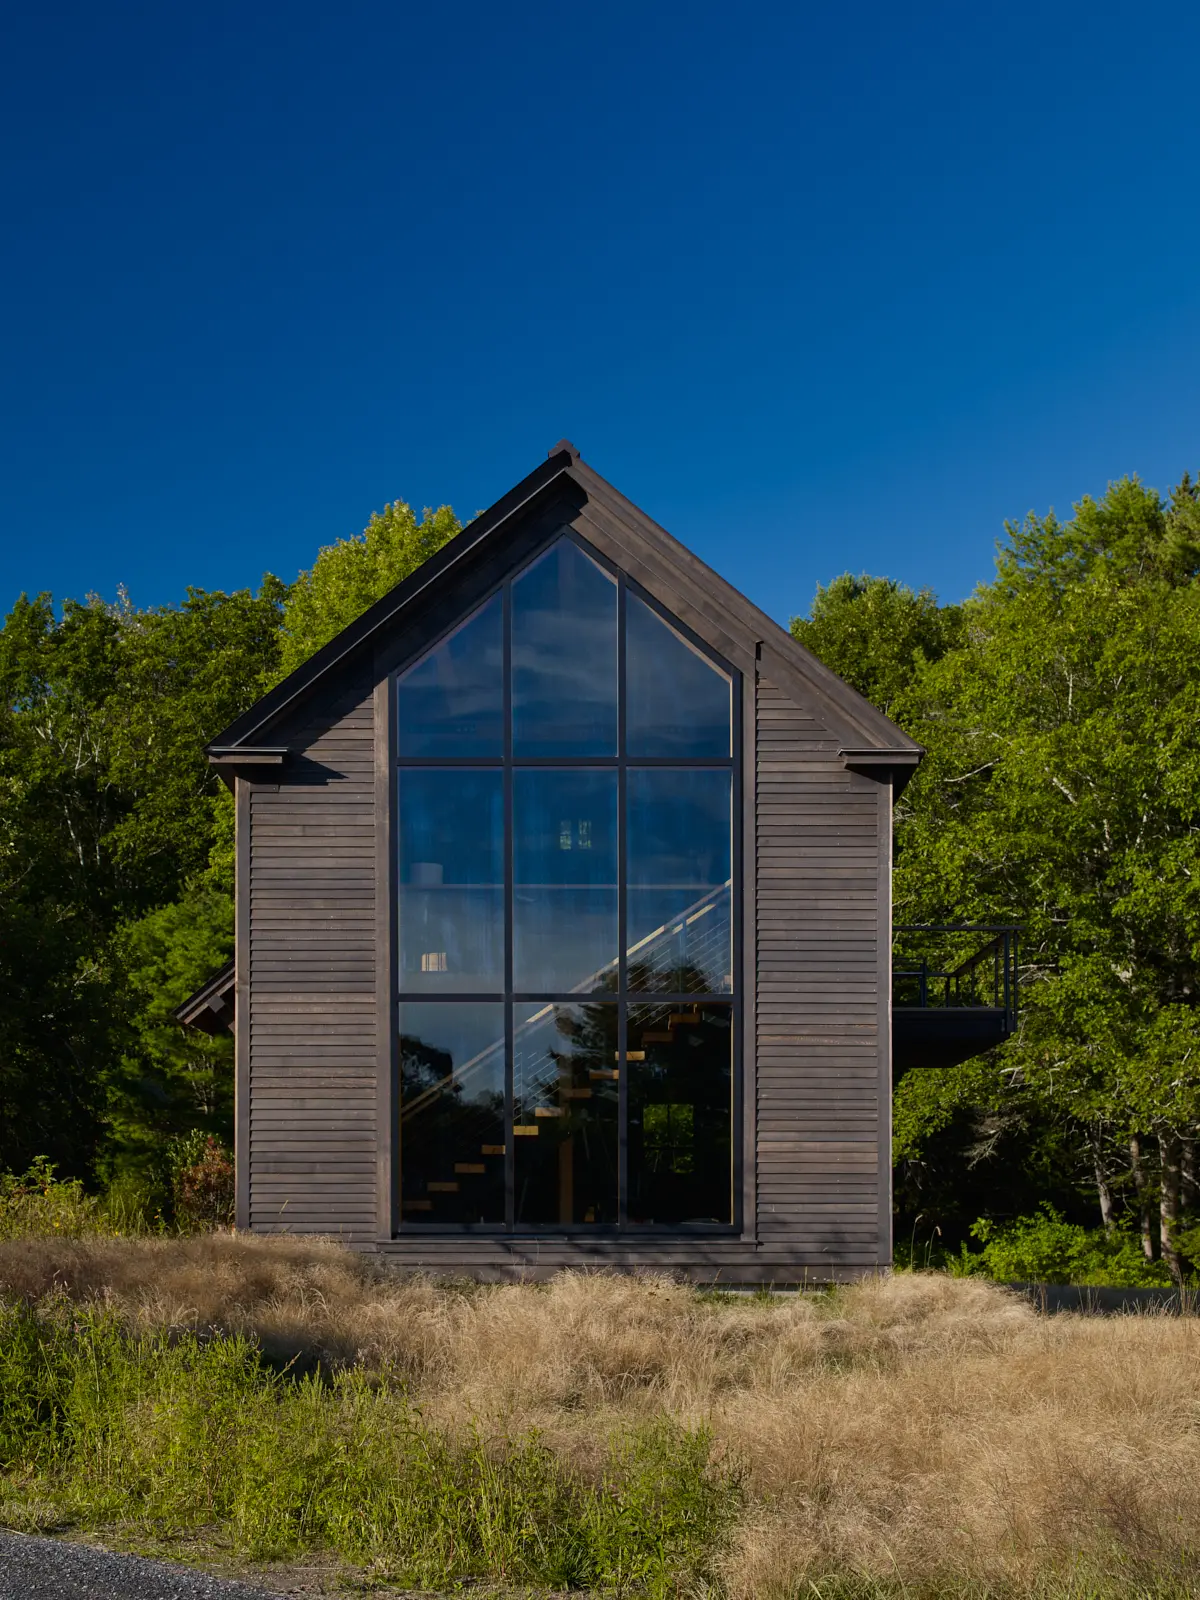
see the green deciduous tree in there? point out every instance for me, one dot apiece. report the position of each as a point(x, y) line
point(877, 634)
point(1060, 790)
point(116, 858)
point(168, 1081)
point(105, 816)
point(349, 576)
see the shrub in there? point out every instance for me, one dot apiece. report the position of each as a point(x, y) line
point(1045, 1248)
point(36, 1202)
point(202, 1183)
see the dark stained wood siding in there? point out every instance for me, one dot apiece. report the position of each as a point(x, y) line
point(312, 1027)
point(818, 1035)
point(315, 1029)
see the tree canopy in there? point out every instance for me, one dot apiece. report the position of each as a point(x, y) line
point(1062, 730)
point(349, 576)
point(116, 842)
point(1059, 706)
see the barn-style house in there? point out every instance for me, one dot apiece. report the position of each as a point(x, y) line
point(563, 919)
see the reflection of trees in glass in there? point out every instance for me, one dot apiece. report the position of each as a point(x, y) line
point(452, 1133)
point(662, 973)
point(561, 848)
point(566, 1132)
point(587, 1047)
point(422, 1066)
point(680, 1113)
point(427, 1076)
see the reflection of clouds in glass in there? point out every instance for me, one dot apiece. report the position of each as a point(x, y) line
point(564, 895)
point(679, 849)
point(570, 648)
point(451, 836)
point(452, 940)
point(678, 701)
point(564, 647)
point(564, 940)
point(451, 701)
point(680, 944)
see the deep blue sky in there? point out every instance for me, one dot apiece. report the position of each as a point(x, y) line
point(820, 287)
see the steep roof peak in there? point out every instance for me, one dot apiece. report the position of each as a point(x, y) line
point(866, 727)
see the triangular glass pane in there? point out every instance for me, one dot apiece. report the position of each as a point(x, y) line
point(564, 656)
point(451, 701)
point(677, 702)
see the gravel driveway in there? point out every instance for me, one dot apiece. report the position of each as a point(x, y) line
point(48, 1569)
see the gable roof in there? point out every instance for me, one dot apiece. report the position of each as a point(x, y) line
point(871, 738)
point(211, 1007)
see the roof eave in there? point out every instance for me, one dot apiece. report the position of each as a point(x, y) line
point(211, 1007)
point(277, 700)
point(563, 461)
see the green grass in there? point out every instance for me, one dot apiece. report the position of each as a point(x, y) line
point(1121, 1584)
point(167, 1437)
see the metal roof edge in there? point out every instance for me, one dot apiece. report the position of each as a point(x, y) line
point(822, 680)
point(564, 461)
point(358, 633)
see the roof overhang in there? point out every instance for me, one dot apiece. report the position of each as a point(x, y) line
point(901, 762)
point(872, 740)
point(245, 755)
point(212, 1007)
point(249, 760)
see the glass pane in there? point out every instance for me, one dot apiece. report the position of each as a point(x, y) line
point(452, 1113)
point(565, 1087)
point(680, 1065)
point(451, 880)
point(564, 656)
point(678, 862)
point(451, 702)
point(564, 880)
point(677, 702)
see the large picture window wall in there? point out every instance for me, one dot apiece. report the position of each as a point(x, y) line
point(566, 914)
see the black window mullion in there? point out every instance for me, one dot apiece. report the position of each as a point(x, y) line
point(736, 975)
point(510, 1165)
point(622, 918)
point(621, 762)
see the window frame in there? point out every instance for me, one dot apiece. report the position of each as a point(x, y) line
point(622, 998)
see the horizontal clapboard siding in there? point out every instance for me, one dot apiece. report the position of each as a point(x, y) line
point(312, 1036)
point(503, 1259)
point(315, 1042)
point(817, 1003)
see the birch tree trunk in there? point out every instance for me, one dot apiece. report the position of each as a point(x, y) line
point(1103, 1188)
point(1189, 1191)
point(1139, 1184)
point(1168, 1153)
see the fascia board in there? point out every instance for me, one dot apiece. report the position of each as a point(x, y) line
point(279, 700)
point(802, 674)
point(811, 678)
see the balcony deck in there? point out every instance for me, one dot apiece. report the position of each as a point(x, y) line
point(952, 998)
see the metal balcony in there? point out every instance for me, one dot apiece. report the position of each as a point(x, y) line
point(952, 997)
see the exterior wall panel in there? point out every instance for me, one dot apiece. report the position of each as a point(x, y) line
point(312, 1037)
point(818, 1039)
point(317, 1074)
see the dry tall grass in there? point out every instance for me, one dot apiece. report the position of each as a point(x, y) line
point(916, 1430)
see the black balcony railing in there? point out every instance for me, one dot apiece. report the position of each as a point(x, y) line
point(954, 991)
